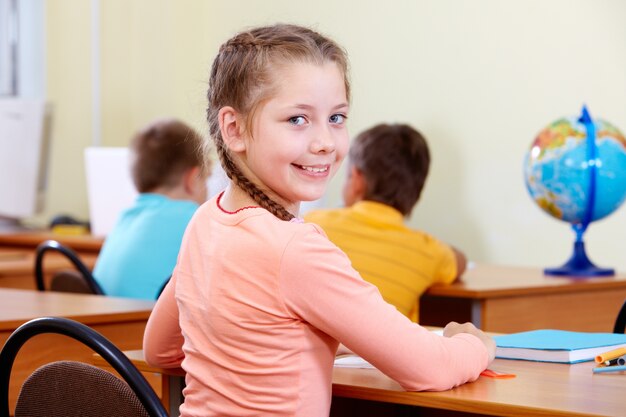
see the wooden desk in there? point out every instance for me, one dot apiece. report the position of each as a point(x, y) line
point(17, 266)
point(539, 389)
point(120, 320)
point(80, 244)
point(512, 299)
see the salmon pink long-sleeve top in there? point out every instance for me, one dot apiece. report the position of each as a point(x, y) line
point(256, 308)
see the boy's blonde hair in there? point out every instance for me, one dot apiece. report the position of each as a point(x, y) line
point(242, 77)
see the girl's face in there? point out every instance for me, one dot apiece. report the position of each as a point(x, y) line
point(299, 136)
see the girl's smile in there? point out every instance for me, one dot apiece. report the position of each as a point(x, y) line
point(317, 170)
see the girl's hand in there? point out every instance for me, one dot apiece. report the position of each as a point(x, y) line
point(453, 328)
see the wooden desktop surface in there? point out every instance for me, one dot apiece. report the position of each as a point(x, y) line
point(79, 243)
point(17, 266)
point(511, 299)
point(486, 280)
point(539, 389)
point(120, 320)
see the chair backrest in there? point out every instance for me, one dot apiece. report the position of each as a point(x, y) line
point(91, 285)
point(98, 394)
point(620, 320)
point(85, 390)
point(69, 281)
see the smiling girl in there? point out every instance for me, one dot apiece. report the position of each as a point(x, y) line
point(259, 301)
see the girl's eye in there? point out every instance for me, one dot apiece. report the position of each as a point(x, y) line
point(297, 120)
point(337, 118)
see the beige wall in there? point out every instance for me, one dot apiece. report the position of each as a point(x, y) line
point(479, 78)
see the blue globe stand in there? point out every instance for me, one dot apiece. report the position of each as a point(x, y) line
point(579, 265)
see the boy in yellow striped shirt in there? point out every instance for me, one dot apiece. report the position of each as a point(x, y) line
point(388, 165)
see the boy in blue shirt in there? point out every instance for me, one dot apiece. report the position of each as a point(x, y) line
point(170, 172)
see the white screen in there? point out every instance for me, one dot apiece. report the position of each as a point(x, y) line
point(23, 156)
point(110, 187)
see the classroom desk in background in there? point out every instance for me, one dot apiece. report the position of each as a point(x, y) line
point(495, 298)
point(512, 299)
point(120, 320)
point(17, 266)
point(29, 240)
point(539, 389)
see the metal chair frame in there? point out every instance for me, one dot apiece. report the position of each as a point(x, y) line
point(88, 337)
point(53, 245)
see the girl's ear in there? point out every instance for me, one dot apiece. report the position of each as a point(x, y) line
point(231, 128)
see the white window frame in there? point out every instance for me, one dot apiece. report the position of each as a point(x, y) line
point(22, 58)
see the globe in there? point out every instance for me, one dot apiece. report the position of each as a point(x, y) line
point(575, 170)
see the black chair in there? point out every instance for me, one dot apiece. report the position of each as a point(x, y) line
point(620, 321)
point(80, 281)
point(72, 389)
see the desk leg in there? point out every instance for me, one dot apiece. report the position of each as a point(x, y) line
point(477, 313)
point(173, 388)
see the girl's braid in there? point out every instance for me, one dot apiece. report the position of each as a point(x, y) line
point(249, 187)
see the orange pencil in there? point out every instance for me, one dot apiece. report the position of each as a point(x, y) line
point(613, 354)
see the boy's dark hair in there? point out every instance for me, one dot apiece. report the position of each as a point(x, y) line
point(163, 152)
point(394, 160)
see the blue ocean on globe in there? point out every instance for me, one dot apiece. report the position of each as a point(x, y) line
point(558, 170)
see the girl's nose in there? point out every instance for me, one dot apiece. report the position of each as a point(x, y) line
point(324, 141)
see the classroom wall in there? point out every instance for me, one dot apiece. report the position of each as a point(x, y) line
point(479, 78)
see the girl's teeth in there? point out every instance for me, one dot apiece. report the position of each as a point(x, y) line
point(311, 169)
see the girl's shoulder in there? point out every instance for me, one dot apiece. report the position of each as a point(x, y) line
point(257, 221)
point(287, 235)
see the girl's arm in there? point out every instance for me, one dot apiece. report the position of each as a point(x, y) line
point(163, 341)
point(320, 286)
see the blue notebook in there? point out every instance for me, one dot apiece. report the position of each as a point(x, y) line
point(557, 345)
